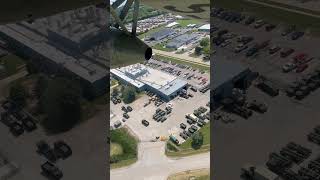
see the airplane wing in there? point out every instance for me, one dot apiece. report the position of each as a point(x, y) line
point(197, 9)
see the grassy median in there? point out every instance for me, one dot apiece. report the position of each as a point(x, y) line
point(123, 150)
point(185, 149)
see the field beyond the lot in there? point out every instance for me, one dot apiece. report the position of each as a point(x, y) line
point(123, 151)
point(275, 15)
point(185, 149)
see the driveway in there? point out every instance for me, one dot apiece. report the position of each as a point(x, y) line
point(153, 164)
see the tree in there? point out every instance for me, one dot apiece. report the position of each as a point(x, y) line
point(206, 50)
point(41, 85)
point(115, 92)
point(61, 102)
point(198, 50)
point(204, 42)
point(197, 140)
point(18, 94)
point(129, 94)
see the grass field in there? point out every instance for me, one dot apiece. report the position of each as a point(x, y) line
point(128, 144)
point(185, 148)
point(161, 46)
point(200, 174)
point(11, 62)
point(273, 15)
point(178, 61)
point(115, 149)
point(185, 22)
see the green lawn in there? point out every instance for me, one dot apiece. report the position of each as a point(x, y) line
point(11, 62)
point(129, 145)
point(193, 65)
point(273, 14)
point(185, 149)
point(185, 22)
point(161, 46)
point(115, 149)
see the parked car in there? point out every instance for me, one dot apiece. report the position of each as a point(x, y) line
point(274, 49)
point(145, 122)
point(51, 171)
point(257, 106)
point(16, 129)
point(296, 35)
point(288, 67)
point(62, 150)
point(125, 115)
point(183, 126)
point(129, 109)
point(270, 27)
point(301, 68)
point(259, 23)
point(288, 30)
point(240, 47)
point(286, 52)
point(249, 21)
point(43, 148)
point(29, 124)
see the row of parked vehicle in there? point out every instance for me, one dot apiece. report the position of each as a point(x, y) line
point(115, 100)
point(16, 119)
point(293, 153)
point(303, 87)
point(126, 110)
point(315, 135)
point(198, 118)
point(60, 150)
point(160, 114)
point(236, 17)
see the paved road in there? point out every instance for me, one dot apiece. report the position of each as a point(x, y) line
point(186, 58)
point(153, 164)
point(286, 9)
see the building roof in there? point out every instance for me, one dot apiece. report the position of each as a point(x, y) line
point(181, 40)
point(162, 33)
point(163, 82)
point(205, 27)
point(224, 71)
point(171, 24)
point(81, 67)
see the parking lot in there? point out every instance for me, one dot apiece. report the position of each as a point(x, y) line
point(197, 95)
point(263, 61)
point(242, 141)
point(21, 150)
point(171, 126)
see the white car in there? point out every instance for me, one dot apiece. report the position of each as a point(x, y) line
point(288, 67)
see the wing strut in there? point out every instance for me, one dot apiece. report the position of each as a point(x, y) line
point(124, 12)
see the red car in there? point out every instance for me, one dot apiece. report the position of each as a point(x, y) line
point(300, 57)
point(301, 68)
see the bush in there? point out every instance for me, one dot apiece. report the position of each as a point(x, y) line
point(198, 50)
point(18, 94)
point(61, 102)
point(204, 42)
point(128, 143)
point(197, 140)
point(129, 94)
